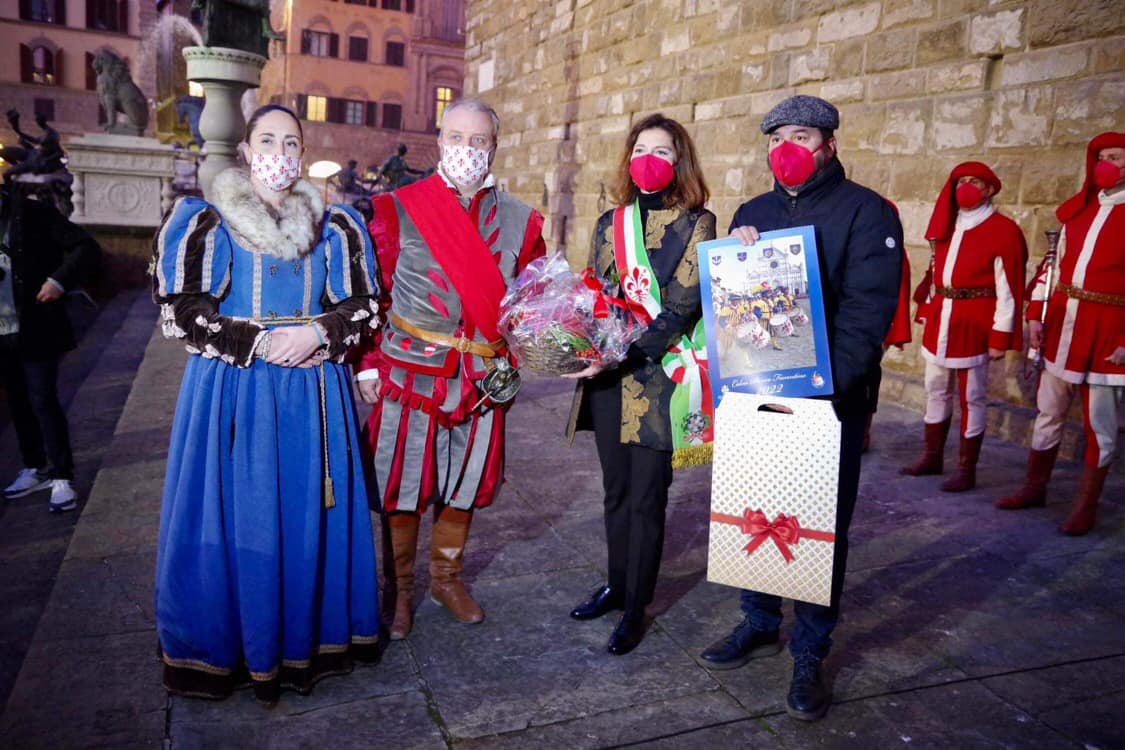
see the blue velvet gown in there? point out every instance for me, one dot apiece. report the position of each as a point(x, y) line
point(258, 580)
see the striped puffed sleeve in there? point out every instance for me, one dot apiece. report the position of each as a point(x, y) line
point(351, 289)
point(191, 270)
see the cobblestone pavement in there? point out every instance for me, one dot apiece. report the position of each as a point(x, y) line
point(963, 626)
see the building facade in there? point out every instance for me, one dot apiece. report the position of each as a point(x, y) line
point(921, 85)
point(366, 75)
point(46, 53)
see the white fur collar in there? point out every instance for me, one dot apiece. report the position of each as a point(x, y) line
point(292, 234)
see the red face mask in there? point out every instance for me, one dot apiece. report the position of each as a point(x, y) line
point(968, 195)
point(651, 173)
point(791, 164)
point(1106, 174)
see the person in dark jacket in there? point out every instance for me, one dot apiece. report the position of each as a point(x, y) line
point(42, 255)
point(859, 241)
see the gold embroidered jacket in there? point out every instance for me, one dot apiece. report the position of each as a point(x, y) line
point(671, 236)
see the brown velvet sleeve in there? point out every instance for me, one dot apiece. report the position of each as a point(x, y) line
point(195, 319)
point(347, 323)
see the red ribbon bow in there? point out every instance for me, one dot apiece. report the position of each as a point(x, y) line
point(602, 301)
point(783, 530)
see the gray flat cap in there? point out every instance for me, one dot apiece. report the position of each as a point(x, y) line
point(810, 111)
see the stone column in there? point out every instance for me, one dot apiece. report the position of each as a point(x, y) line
point(224, 74)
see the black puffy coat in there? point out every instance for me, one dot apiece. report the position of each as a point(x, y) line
point(859, 245)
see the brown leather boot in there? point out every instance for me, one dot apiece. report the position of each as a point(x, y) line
point(966, 476)
point(400, 543)
point(1040, 464)
point(1085, 508)
point(451, 531)
point(931, 460)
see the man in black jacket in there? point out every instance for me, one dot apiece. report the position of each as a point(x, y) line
point(859, 241)
point(41, 256)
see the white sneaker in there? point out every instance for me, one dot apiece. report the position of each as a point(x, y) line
point(63, 496)
point(28, 481)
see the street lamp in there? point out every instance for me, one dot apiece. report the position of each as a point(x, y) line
point(322, 170)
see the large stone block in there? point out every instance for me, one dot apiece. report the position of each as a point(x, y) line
point(755, 76)
point(1051, 22)
point(1045, 65)
point(838, 92)
point(897, 12)
point(916, 178)
point(792, 38)
point(996, 33)
point(1109, 55)
point(847, 58)
point(1086, 107)
point(904, 131)
point(942, 42)
point(848, 22)
point(890, 50)
point(1020, 117)
point(809, 66)
point(1049, 179)
point(675, 40)
point(960, 122)
point(779, 69)
point(900, 85)
point(957, 76)
point(861, 126)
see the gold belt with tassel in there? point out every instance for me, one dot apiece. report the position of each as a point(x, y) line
point(328, 490)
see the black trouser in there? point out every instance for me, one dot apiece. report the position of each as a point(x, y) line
point(636, 481)
point(41, 427)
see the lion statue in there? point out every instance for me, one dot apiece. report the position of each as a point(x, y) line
point(118, 93)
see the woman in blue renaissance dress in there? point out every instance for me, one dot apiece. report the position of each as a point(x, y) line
point(265, 570)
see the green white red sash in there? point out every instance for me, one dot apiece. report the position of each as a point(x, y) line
point(692, 411)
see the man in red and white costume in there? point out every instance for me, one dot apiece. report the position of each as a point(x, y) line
point(1083, 339)
point(972, 316)
point(447, 247)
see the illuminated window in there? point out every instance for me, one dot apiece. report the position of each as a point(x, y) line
point(444, 99)
point(317, 108)
point(42, 66)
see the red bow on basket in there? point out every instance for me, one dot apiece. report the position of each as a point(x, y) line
point(602, 301)
point(783, 530)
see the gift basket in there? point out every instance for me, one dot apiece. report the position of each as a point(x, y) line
point(558, 322)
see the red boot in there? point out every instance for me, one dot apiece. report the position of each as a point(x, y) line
point(1040, 464)
point(931, 460)
point(1085, 508)
point(966, 477)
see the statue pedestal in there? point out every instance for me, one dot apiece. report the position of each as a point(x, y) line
point(120, 180)
point(224, 74)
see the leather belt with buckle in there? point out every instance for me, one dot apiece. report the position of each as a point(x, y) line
point(460, 343)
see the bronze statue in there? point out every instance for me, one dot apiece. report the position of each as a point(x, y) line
point(42, 155)
point(39, 166)
point(118, 94)
point(395, 171)
point(237, 24)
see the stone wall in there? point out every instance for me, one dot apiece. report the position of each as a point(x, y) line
point(921, 85)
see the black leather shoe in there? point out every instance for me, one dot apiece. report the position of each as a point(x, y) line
point(743, 644)
point(604, 599)
point(628, 634)
point(808, 697)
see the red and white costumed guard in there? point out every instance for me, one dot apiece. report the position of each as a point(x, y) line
point(1083, 338)
point(447, 248)
point(972, 316)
